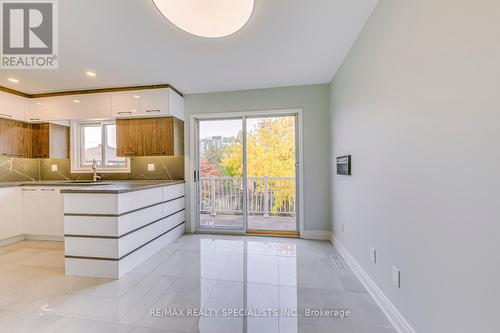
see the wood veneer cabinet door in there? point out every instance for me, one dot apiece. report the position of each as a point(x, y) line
point(14, 138)
point(49, 141)
point(58, 141)
point(127, 137)
point(162, 136)
point(40, 141)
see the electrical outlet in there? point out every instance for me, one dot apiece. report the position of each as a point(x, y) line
point(151, 167)
point(373, 255)
point(53, 167)
point(396, 276)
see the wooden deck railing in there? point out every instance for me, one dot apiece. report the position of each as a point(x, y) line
point(267, 196)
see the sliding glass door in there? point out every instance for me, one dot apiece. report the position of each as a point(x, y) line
point(220, 169)
point(271, 174)
point(246, 174)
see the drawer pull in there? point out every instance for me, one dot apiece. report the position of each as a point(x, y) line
point(6, 115)
point(124, 112)
point(28, 190)
point(153, 111)
point(12, 155)
point(130, 153)
point(47, 189)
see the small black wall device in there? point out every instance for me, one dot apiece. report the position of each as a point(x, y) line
point(344, 165)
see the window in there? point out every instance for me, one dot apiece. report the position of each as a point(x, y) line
point(96, 141)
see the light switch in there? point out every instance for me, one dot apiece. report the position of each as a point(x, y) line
point(151, 167)
point(53, 167)
point(396, 276)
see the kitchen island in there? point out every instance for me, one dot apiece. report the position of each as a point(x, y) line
point(109, 229)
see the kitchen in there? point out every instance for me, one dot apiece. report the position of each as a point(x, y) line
point(113, 207)
point(165, 161)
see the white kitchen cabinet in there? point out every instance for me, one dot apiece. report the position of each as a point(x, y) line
point(122, 104)
point(11, 212)
point(30, 216)
point(90, 106)
point(70, 107)
point(42, 211)
point(125, 103)
point(34, 110)
point(50, 108)
point(161, 102)
point(12, 106)
point(50, 212)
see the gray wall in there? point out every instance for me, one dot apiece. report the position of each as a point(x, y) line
point(417, 104)
point(314, 100)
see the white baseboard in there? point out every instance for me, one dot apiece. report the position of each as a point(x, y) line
point(315, 234)
point(12, 240)
point(390, 311)
point(44, 238)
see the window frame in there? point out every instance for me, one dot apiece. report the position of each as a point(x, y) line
point(77, 149)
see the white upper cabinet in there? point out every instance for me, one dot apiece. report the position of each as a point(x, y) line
point(163, 102)
point(12, 106)
point(125, 103)
point(134, 103)
point(90, 106)
point(34, 110)
point(70, 107)
point(148, 103)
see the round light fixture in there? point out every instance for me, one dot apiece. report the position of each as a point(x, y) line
point(207, 18)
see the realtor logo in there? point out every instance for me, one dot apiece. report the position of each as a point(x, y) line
point(29, 34)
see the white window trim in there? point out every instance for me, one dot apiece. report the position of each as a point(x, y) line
point(76, 152)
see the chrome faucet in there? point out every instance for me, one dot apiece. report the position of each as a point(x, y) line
point(94, 167)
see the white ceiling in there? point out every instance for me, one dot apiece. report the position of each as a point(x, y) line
point(128, 42)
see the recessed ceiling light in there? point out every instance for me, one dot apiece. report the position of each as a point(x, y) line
point(137, 96)
point(91, 74)
point(13, 80)
point(76, 101)
point(215, 18)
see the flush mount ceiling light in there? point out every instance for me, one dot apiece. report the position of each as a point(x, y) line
point(13, 80)
point(207, 18)
point(90, 74)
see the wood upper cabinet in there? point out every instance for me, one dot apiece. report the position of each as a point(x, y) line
point(150, 137)
point(15, 138)
point(49, 141)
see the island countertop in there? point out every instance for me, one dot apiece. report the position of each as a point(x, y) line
point(117, 187)
point(105, 187)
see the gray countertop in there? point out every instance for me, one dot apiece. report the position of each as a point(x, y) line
point(106, 187)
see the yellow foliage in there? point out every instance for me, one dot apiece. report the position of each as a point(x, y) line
point(270, 152)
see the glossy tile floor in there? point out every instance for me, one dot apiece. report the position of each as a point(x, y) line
point(274, 281)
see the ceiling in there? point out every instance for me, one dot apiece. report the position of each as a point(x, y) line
point(128, 42)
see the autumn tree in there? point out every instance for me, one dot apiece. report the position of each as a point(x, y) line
point(270, 152)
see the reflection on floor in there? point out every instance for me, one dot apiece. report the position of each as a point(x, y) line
point(275, 223)
point(271, 280)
